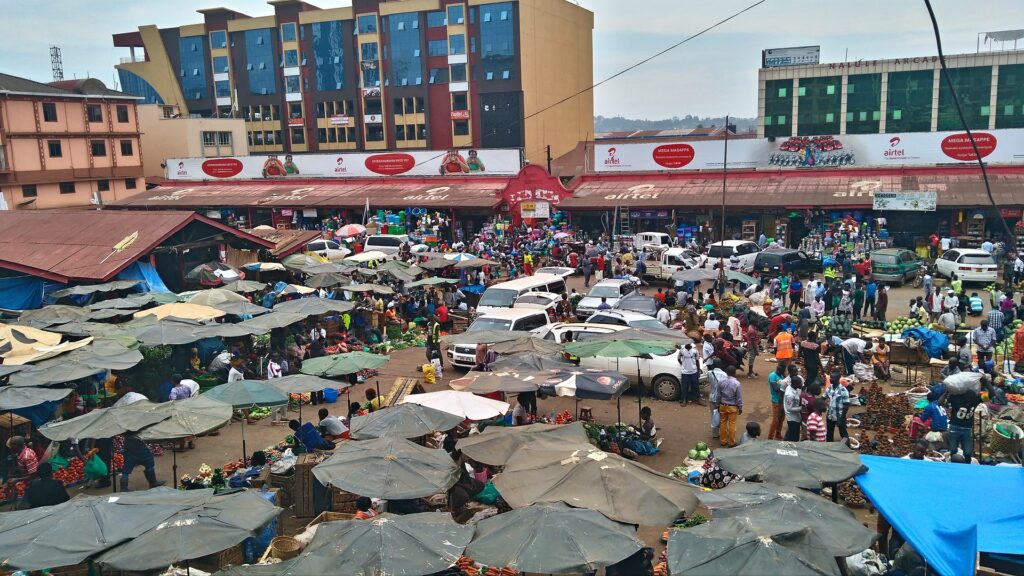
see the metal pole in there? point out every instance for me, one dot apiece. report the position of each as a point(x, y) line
point(721, 233)
point(548, 148)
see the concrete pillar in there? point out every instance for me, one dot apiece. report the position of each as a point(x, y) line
point(883, 102)
point(936, 81)
point(992, 101)
point(796, 106)
point(845, 79)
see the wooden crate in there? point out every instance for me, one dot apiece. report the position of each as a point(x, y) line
point(342, 501)
point(285, 485)
point(330, 517)
point(213, 562)
point(303, 483)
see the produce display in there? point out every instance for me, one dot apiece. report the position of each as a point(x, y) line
point(901, 323)
point(872, 324)
point(851, 494)
point(258, 413)
point(700, 451)
point(471, 568)
point(1005, 348)
point(884, 412)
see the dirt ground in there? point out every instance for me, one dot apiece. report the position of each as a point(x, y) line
point(679, 427)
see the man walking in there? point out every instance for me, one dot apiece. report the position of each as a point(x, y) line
point(730, 405)
point(689, 367)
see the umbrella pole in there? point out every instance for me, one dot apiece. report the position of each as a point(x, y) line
point(640, 393)
point(174, 466)
point(618, 410)
point(243, 438)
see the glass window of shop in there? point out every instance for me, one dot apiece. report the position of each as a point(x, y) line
point(436, 19)
point(368, 24)
point(1010, 96)
point(497, 40)
point(222, 88)
point(974, 89)
point(909, 101)
point(778, 104)
point(192, 52)
point(818, 106)
point(863, 103)
point(220, 64)
point(259, 56)
point(404, 37)
point(328, 55)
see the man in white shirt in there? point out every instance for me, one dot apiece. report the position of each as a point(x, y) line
point(331, 427)
point(192, 386)
point(853, 348)
point(944, 243)
point(712, 322)
point(950, 303)
point(664, 316)
point(689, 368)
point(708, 349)
point(236, 372)
point(318, 332)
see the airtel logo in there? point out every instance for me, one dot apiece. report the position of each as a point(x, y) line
point(894, 141)
point(611, 160)
point(339, 167)
point(893, 151)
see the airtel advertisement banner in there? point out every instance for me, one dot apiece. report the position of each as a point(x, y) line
point(483, 162)
point(852, 151)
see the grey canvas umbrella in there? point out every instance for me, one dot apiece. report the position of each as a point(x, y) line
point(69, 533)
point(497, 444)
point(242, 308)
point(194, 416)
point(328, 268)
point(435, 264)
point(749, 547)
point(169, 333)
point(222, 522)
point(8, 370)
point(473, 263)
point(243, 394)
point(390, 468)
point(53, 314)
point(586, 477)
point(106, 422)
point(101, 354)
point(301, 261)
point(402, 421)
point(227, 330)
point(552, 539)
point(530, 362)
point(386, 545)
point(489, 382)
point(835, 524)
point(376, 288)
point(276, 319)
point(215, 296)
point(94, 288)
point(485, 336)
point(108, 313)
point(130, 302)
point(327, 280)
point(432, 281)
point(245, 286)
point(304, 384)
point(313, 306)
point(15, 397)
point(803, 464)
point(531, 344)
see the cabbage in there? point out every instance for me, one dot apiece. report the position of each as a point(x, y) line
point(694, 454)
point(702, 446)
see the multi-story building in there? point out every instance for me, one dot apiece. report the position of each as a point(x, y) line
point(889, 96)
point(379, 75)
point(65, 144)
point(166, 133)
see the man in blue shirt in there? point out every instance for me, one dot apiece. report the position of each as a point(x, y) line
point(870, 291)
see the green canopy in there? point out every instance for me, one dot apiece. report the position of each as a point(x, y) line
point(245, 286)
point(99, 355)
point(220, 523)
point(242, 308)
point(108, 313)
point(300, 261)
point(170, 333)
point(94, 288)
point(243, 394)
point(390, 468)
point(275, 319)
point(490, 382)
point(402, 421)
point(129, 303)
point(750, 547)
point(327, 280)
point(194, 416)
point(106, 422)
point(805, 464)
point(314, 306)
point(52, 314)
point(376, 288)
point(228, 330)
point(530, 362)
point(530, 344)
point(342, 364)
point(328, 268)
point(618, 348)
point(552, 539)
point(498, 443)
point(433, 280)
point(304, 383)
point(409, 545)
point(16, 397)
point(485, 336)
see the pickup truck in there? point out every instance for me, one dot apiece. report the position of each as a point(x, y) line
point(671, 261)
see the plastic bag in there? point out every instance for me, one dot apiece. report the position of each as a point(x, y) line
point(863, 372)
point(58, 462)
point(716, 419)
point(489, 495)
point(962, 382)
point(285, 464)
point(867, 563)
point(95, 467)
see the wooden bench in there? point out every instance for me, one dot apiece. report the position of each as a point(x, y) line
point(401, 388)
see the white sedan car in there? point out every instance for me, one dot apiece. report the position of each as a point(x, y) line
point(560, 271)
point(967, 264)
point(328, 249)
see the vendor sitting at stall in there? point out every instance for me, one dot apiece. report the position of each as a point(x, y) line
point(932, 419)
point(308, 437)
point(364, 508)
point(46, 491)
point(331, 427)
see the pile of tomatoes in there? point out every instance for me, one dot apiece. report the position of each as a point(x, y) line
point(73, 474)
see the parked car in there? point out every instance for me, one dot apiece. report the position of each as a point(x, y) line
point(744, 249)
point(610, 290)
point(651, 241)
point(895, 265)
point(560, 271)
point(637, 302)
point(538, 301)
point(523, 319)
point(387, 243)
point(625, 318)
point(671, 261)
point(969, 265)
point(328, 249)
point(505, 294)
point(784, 261)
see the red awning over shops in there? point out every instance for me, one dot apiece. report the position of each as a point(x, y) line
point(956, 187)
point(394, 193)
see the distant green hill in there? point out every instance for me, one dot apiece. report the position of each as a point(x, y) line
point(620, 124)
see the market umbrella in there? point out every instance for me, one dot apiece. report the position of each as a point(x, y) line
point(408, 545)
point(17, 397)
point(24, 344)
point(349, 230)
point(402, 421)
point(473, 263)
point(327, 280)
point(185, 310)
point(214, 274)
point(53, 314)
point(105, 422)
point(265, 267)
point(328, 268)
point(343, 364)
point(304, 384)
point(700, 274)
point(583, 383)
point(485, 336)
point(227, 331)
point(6, 370)
point(529, 344)
point(834, 524)
point(658, 335)
point(216, 296)
point(169, 333)
point(69, 533)
point(432, 281)
point(244, 394)
point(194, 416)
point(94, 288)
point(376, 288)
point(586, 477)
point(275, 319)
point(749, 547)
point(464, 404)
point(300, 261)
point(108, 313)
point(530, 362)
point(497, 444)
point(552, 539)
point(222, 522)
point(314, 306)
point(389, 468)
point(130, 398)
point(242, 308)
point(133, 302)
point(459, 256)
point(245, 286)
point(435, 263)
point(99, 355)
point(804, 464)
point(490, 382)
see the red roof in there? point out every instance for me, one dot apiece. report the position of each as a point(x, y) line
point(79, 245)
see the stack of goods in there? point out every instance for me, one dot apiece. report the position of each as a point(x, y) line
point(258, 413)
point(468, 567)
point(884, 412)
point(563, 417)
point(1005, 348)
point(901, 323)
point(851, 494)
point(898, 445)
point(619, 439)
point(408, 339)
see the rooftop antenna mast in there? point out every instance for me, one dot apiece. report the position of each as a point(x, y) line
point(56, 63)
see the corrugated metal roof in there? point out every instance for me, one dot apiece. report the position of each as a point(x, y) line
point(391, 194)
point(78, 245)
point(74, 88)
point(286, 241)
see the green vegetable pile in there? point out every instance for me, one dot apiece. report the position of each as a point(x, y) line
point(700, 451)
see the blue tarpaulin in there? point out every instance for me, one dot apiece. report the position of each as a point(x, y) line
point(21, 293)
point(930, 505)
point(142, 270)
point(934, 343)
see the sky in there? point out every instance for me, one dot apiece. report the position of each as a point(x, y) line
point(713, 75)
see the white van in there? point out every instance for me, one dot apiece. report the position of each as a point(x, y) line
point(386, 243)
point(370, 259)
point(505, 294)
point(723, 251)
point(512, 319)
point(651, 241)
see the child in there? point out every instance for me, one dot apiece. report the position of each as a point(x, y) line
point(752, 434)
point(815, 425)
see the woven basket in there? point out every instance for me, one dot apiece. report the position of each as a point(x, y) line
point(284, 547)
point(1001, 443)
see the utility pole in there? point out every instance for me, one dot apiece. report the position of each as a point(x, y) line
point(721, 233)
point(548, 148)
point(56, 63)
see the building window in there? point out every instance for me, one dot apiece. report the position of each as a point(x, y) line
point(458, 72)
point(1010, 96)
point(367, 24)
point(404, 39)
point(222, 88)
point(863, 103)
point(292, 84)
point(298, 135)
point(909, 101)
point(67, 187)
point(192, 52)
point(288, 32)
point(328, 55)
point(460, 101)
point(130, 183)
point(168, 112)
point(461, 128)
point(437, 48)
point(368, 50)
point(291, 58)
point(375, 133)
point(55, 149)
point(456, 14)
point(220, 64)
point(400, 132)
point(224, 138)
point(29, 191)
point(98, 147)
point(497, 49)
point(94, 112)
point(372, 107)
point(209, 138)
point(103, 185)
point(259, 57)
point(398, 107)
point(436, 19)
point(126, 148)
point(49, 112)
point(219, 39)
point(122, 114)
point(438, 75)
point(295, 110)
point(457, 44)
point(819, 104)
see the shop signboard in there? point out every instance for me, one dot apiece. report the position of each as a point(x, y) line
point(295, 121)
point(339, 120)
point(492, 162)
point(460, 114)
point(535, 209)
point(796, 56)
point(803, 152)
point(908, 201)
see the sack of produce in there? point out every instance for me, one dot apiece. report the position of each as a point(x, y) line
point(962, 382)
point(95, 467)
